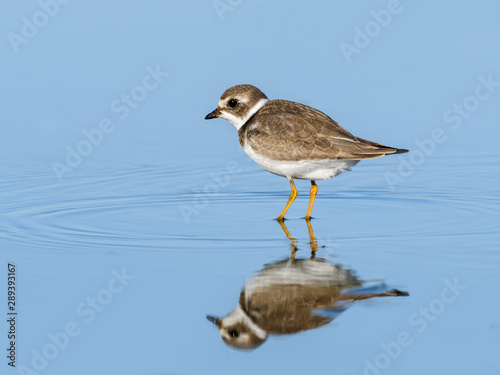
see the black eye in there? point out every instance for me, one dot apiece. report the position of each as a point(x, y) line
point(234, 333)
point(233, 103)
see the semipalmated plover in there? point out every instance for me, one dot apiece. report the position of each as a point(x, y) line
point(291, 296)
point(293, 140)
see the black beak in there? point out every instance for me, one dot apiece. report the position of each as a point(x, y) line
point(213, 319)
point(215, 113)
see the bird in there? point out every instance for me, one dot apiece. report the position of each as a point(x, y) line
point(293, 140)
point(293, 295)
point(288, 297)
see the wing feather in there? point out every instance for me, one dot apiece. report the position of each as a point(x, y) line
point(291, 131)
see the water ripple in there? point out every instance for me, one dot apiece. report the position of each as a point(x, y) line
point(140, 207)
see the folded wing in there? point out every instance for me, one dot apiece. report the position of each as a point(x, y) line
point(291, 131)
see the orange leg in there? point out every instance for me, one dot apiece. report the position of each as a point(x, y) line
point(314, 190)
point(293, 195)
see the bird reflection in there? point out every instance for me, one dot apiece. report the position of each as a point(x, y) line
point(290, 296)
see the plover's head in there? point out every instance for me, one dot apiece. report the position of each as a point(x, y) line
point(238, 103)
point(238, 330)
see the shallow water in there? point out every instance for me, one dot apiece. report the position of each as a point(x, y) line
point(190, 235)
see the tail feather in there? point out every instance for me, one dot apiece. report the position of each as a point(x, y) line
point(398, 293)
point(388, 150)
point(401, 151)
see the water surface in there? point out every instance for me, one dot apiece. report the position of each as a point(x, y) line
point(186, 237)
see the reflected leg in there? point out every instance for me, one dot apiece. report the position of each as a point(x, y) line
point(293, 241)
point(313, 241)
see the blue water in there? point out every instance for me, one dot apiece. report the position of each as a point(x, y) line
point(70, 239)
point(165, 220)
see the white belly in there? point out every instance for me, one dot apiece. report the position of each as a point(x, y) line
point(304, 169)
